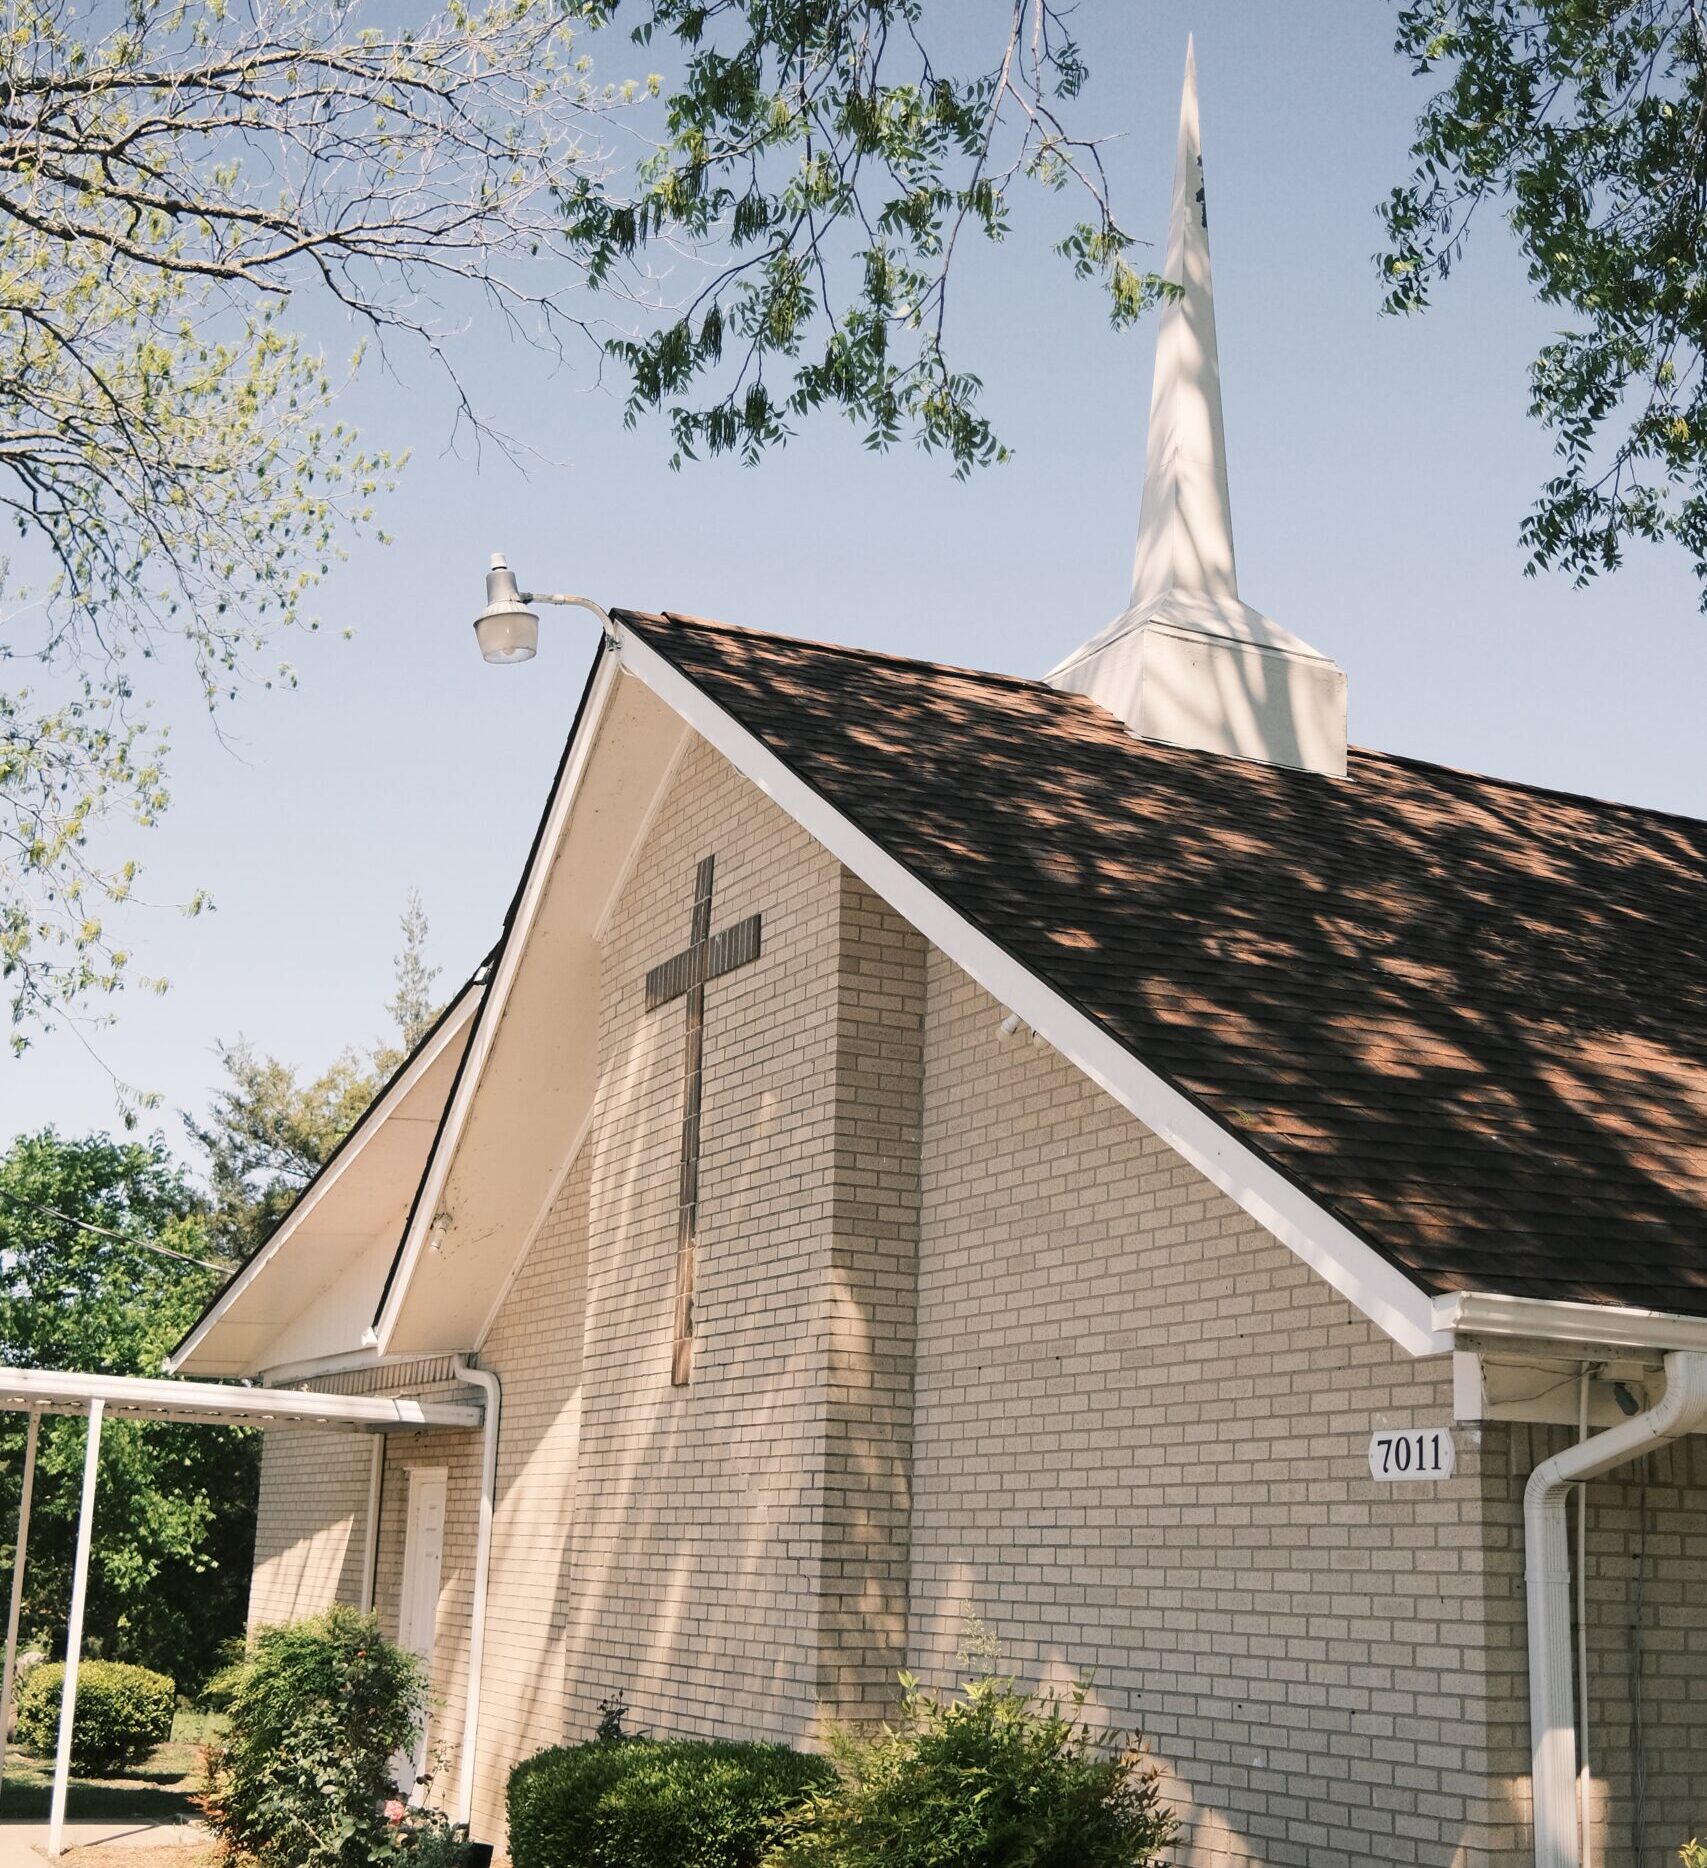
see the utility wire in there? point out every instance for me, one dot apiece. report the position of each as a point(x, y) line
point(106, 1232)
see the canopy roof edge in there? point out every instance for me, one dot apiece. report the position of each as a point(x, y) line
point(138, 1397)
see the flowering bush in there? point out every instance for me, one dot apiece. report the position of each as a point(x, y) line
point(302, 1778)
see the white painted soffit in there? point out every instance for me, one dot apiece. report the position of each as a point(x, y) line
point(1354, 1269)
point(353, 1211)
point(527, 1082)
point(141, 1397)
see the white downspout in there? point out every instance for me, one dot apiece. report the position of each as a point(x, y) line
point(370, 1537)
point(487, 1383)
point(1585, 1775)
point(1552, 1712)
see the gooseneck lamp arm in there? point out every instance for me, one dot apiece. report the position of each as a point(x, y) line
point(507, 630)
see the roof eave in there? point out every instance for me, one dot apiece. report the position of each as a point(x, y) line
point(1485, 1314)
point(402, 1080)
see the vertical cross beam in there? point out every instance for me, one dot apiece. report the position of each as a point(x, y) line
point(693, 1082)
point(685, 976)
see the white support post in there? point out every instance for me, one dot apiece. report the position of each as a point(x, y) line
point(9, 1678)
point(74, 1630)
point(370, 1543)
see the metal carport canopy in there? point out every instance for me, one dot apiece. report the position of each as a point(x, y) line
point(222, 1404)
point(36, 1392)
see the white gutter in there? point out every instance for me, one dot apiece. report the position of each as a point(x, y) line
point(487, 1382)
point(1552, 1713)
point(1600, 1326)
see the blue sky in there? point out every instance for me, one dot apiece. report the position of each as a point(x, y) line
point(1379, 473)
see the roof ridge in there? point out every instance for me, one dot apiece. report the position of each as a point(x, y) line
point(845, 648)
point(1036, 685)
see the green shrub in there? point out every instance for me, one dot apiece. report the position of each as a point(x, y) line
point(1693, 1854)
point(122, 1714)
point(671, 1803)
point(231, 1661)
point(304, 1768)
point(992, 1778)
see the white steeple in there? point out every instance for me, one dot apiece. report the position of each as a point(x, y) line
point(1185, 525)
point(1187, 662)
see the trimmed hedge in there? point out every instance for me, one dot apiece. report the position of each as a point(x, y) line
point(673, 1803)
point(122, 1714)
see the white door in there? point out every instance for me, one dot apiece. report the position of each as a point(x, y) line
point(418, 1600)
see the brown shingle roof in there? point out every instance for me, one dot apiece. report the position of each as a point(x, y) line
point(1467, 1017)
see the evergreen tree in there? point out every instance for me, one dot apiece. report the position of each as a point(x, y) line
point(412, 1007)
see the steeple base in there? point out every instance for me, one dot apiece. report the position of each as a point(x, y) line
point(1214, 674)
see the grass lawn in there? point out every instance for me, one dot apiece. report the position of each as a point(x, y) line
point(155, 1791)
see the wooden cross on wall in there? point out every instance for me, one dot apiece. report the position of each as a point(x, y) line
point(706, 957)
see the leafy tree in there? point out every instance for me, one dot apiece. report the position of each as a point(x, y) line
point(178, 176)
point(268, 1133)
point(833, 162)
point(104, 1261)
point(1584, 122)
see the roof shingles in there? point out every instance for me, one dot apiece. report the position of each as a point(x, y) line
point(1467, 1017)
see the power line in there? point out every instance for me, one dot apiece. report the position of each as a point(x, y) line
point(106, 1232)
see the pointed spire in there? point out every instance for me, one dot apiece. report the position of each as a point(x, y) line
point(1185, 526)
point(1187, 663)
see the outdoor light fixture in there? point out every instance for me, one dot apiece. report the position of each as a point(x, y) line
point(507, 630)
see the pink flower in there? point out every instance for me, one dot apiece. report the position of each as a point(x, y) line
point(395, 1811)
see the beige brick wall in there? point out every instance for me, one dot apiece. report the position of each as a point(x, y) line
point(872, 1301)
point(1140, 1456)
point(694, 1559)
point(310, 1524)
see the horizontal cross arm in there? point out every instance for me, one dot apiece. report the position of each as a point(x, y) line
point(736, 946)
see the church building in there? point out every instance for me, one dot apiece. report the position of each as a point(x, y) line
point(1093, 1153)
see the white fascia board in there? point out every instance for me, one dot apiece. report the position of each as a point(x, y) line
point(329, 1177)
point(1544, 1320)
point(1360, 1274)
point(492, 1006)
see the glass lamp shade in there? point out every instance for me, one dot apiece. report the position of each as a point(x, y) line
point(507, 632)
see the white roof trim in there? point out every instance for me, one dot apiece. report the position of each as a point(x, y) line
point(1607, 1326)
point(492, 1006)
point(1359, 1273)
point(450, 1027)
point(136, 1397)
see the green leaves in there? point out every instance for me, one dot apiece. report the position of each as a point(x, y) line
point(85, 1284)
point(1584, 125)
point(821, 147)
